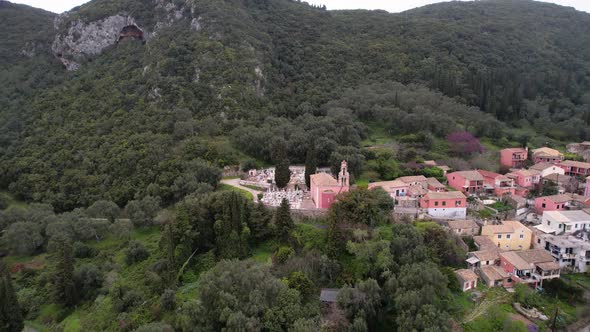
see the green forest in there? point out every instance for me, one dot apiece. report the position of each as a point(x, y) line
point(112, 214)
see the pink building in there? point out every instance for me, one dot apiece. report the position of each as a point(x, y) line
point(575, 168)
point(468, 182)
point(395, 188)
point(529, 266)
point(324, 188)
point(525, 178)
point(452, 204)
point(498, 184)
point(552, 203)
point(546, 155)
point(514, 157)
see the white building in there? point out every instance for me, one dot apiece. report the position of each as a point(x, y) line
point(564, 222)
point(568, 250)
point(547, 169)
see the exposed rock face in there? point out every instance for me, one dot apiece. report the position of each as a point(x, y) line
point(89, 39)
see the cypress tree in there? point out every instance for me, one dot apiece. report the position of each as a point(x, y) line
point(65, 291)
point(310, 164)
point(11, 319)
point(283, 221)
point(282, 172)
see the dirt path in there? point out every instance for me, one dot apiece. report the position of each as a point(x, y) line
point(485, 306)
point(236, 183)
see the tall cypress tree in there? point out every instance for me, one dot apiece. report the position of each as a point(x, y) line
point(282, 172)
point(283, 221)
point(64, 286)
point(11, 319)
point(310, 164)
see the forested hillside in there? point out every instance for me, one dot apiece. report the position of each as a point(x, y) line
point(118, 118)
point(139, 111)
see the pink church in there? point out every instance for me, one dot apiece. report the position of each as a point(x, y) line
point(324, 187)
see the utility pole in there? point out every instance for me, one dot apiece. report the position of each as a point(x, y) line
point(554, 323)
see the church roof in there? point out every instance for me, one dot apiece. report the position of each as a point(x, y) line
point(323, 179)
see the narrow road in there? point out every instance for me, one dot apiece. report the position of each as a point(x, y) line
point(236, 183)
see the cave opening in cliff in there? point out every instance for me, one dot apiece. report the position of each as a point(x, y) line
point(130, 32)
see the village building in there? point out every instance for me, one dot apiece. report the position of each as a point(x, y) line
point(547, 169)
point(395, 188)
point(324, 188)
point(468, 182)
point(497, 184)
point(581, 149)
point(478, 259)
point(467, 279)
point(564, 183)
point(495, 276)
point(564, 222)
point(446, 205)
point(552, 203)
point(529, 266)
point(546, 155)
point(463, 227)
point(525, 178)
point(514, 157)
point(483, 242)
point(510, 235)
point(575, 168)
point(570, 251)
point(433, 184)
point(519, 203)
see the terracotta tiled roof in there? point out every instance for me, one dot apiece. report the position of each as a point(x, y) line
point(462, 224)
point(434, 183)
point(549, 266)
point(535, 256)
point(466, 275)
point(470, 175)
point(559, 198)
point(493, 272)
point(542, 166)
point(446, 195)
point(513, 258)
point(513, 150)
point(483, 242)
point(388, 184)
point(572, 163)
point(486, 255)
point(545, 151)
point(412, 179)
point(323, 179)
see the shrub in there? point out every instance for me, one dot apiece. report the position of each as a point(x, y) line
point(283, 254)
point(168, 300)
point(136, 252)
point(82, 250)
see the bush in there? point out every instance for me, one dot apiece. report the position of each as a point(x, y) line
point(136, 252)
point(168, 300)
point(82, 250)
point(283, 254)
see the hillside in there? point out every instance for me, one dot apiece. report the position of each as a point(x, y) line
point(197, 76)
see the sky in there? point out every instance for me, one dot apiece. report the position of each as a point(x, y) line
point(394, 6)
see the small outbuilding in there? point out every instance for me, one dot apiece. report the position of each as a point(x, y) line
point(467, 279)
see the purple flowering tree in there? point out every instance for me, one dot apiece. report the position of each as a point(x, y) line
point(464, 143)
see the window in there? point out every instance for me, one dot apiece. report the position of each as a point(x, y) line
point(538, 240)
point(576, 225)
point(435, 203)
point(522, 237)
point(499, 236)
point(548, 223)
point(444, 203)
point(544, 205)
point(507, 236)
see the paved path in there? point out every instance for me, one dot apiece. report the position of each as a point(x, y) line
point(236, 183)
